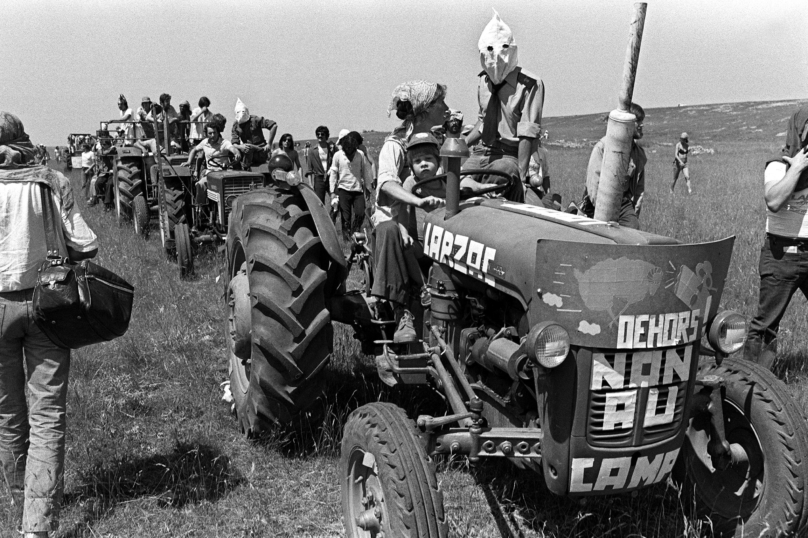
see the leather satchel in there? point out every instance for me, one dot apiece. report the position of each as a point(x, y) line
point(78, 304)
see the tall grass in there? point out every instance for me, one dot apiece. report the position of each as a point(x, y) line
point(153, 451)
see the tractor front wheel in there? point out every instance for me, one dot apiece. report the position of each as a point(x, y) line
point(185, 255)
point(140, 215)
point(280, 330)
point(388, 480)
point(764, 492)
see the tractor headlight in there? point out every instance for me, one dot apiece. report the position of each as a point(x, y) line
point(727, 332)
point(228, 202)
point(549, 343)
point(291, 178)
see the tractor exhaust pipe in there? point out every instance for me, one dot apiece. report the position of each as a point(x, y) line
point(454, 149)
point(620, 130)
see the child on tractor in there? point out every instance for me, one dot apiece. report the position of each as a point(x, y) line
point(397, 271)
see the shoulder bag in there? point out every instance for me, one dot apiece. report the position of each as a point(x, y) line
point(78, 304)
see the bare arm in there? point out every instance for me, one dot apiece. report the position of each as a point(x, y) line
point(396, 191)
point(777, 192)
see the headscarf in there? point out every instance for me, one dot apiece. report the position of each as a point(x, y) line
point(15, 144)
point(500, 60)
point(242, 113)
point(419, 93)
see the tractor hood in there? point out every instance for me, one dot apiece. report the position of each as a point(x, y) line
point(568, 268)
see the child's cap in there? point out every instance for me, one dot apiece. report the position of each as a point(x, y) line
point(683, 136)
point(422, 139)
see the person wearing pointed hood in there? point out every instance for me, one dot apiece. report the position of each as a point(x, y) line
point(248, 135)
point(783, 265)
point(511, 101)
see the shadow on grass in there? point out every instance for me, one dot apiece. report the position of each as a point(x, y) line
point(191, 474)
point(318, 432)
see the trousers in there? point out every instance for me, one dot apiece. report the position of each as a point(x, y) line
point(351, 211)
point(32, 430)
point(483, 157)
point(782, 273)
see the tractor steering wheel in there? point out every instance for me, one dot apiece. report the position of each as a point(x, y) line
point(466, 193)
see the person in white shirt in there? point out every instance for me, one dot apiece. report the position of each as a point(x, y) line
point(33, 370)
point(200, 116)
point(349, 173)
point(128, 129)
point(87, 169)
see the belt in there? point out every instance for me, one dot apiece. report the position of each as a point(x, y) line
point(502, 149)
point(788, 244)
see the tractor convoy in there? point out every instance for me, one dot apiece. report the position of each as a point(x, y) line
point(593, 354)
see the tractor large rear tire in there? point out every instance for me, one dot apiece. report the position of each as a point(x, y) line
point(130, 182)
point(277, 266)
point(388, 480)
point(767, 495)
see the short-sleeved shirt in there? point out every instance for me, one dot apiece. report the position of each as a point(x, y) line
point(216, 155)
point(251, 131)
point(87, 159)
point(198, 127)
point(392, 166)
point(635, 183)
point(792, 218)
point(681, 153)
point(521, 102)
point(22, 243)
point(128, 128)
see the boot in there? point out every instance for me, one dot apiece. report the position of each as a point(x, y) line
point(405, 332)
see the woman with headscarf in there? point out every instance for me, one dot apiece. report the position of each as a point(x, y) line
point(421, 105)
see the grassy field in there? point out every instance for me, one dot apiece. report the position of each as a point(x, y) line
point(153, 451)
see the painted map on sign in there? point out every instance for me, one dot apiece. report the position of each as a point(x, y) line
point(648, 291)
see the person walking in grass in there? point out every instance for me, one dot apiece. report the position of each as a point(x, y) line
point(783, 265)
point(318, 161)
point(349, 173)
point(88, 170)
point(680, 162)
point(33, 370)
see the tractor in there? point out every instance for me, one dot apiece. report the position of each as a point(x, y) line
point(137, 179)
point(588, 352)
point(593, 354)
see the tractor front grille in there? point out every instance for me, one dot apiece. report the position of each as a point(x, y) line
point(234, 187)
point(637, 398)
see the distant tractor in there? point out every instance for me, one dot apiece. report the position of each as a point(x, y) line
point(73, 151)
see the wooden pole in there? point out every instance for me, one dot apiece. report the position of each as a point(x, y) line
point(620, 131)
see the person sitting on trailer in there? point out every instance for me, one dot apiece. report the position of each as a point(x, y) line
point(217, 152)
point(248, 136)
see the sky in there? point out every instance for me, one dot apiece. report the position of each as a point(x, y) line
point(305, 63)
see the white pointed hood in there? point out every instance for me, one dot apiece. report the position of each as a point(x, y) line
point(498, 51)
point(242, 113)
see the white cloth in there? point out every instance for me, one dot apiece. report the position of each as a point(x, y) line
point(792, 219)
point(242, 112)
point(128, 128)
point(22, 241)
point(87, 159)
point(198, 127)
point(498, 50)
point(392, 166)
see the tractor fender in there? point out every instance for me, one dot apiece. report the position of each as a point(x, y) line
point(325, 228)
